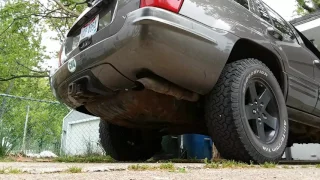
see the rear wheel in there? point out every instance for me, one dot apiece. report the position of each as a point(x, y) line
point(246, 113)
point(124, 144)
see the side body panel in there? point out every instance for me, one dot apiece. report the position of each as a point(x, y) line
point(247, 24)
point(302, 89)
point(229, 16)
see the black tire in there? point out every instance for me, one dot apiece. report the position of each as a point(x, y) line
point(259, 137)
point(124, 144)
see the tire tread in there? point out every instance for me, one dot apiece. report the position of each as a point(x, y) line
point(223, 116)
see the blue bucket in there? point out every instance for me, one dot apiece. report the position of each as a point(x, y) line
point(197, 146)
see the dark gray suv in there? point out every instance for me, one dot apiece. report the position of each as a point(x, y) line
point(233, 69)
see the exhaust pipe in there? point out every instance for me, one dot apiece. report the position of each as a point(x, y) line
point(165, 87)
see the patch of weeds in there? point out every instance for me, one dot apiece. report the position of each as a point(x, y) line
point(14, 171)
point(85, 159)
point(182, 170)
point(74, 169)
point(2, 171)
point(251, 164)
point(206, 161)
point(233, 164)
point(226, 164)
point(179, 161)
point(6, 159)
point(268, 165)
point(305, 166)
point(318, 166)
point(142, 167)
point(212, 165)
point(167, 166)
point(10, 171)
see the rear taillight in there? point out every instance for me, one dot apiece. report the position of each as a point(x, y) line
point(171, 5)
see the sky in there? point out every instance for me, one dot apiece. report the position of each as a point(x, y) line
point(286, 8)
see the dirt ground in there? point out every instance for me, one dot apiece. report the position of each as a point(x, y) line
point(119, 171)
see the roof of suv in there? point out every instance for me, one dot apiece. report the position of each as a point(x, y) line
point(306, 18)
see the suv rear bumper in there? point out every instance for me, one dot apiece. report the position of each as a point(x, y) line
point(178, 49)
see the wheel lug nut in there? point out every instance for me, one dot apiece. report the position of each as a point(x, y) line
point(259, 120)
point(255, 102)
point(254, 112)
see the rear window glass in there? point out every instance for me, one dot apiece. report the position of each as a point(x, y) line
point(244, 3)
point(281, 25)
point(262, 11)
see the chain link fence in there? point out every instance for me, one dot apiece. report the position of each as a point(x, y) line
point(33, 126)
point(41, 128)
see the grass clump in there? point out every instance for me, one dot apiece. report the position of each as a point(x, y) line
point(142, 167)
point(318, 166)
point(305, 166)
point(14, 171)
point(212, 165)
point(268, 165)
point(85, 159)
point(2, 171)
point(10, 171)
point(167, 166)
point(182, 170)
point(225, 164)
point(74, 169)
point(233, 164)
point(179, 161)
point(6, 159)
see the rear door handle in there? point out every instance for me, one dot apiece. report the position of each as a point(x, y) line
point(275, 33)
point(317, 63)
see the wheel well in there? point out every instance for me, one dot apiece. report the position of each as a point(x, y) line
point(84, 110)
point(244, 49)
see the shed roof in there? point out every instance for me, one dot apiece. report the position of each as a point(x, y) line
point(306, 18)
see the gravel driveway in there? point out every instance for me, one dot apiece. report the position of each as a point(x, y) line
point(117, 171)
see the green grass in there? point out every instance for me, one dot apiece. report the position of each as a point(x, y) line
point(2, 171)
point(212, 165)
point(167, 166)
point(74, 169)
point(318, 166)
point(10, 171)
point(142, 167)
point(89, 159)
point(6, 159)
point(179, 161)
point(251, 164)
point(226, 164)
point(234, 164)
point(14, 171)
point(268, 165)
point(182, 170)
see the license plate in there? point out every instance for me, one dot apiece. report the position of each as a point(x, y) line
point(90, 28)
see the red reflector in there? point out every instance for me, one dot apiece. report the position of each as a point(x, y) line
point(171, 5)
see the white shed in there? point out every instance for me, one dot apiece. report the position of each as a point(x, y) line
point(309, 25)
point(80, 134)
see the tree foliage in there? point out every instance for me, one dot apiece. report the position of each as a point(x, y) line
point(22, 55)
point(22, 69)
point(307, 6)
